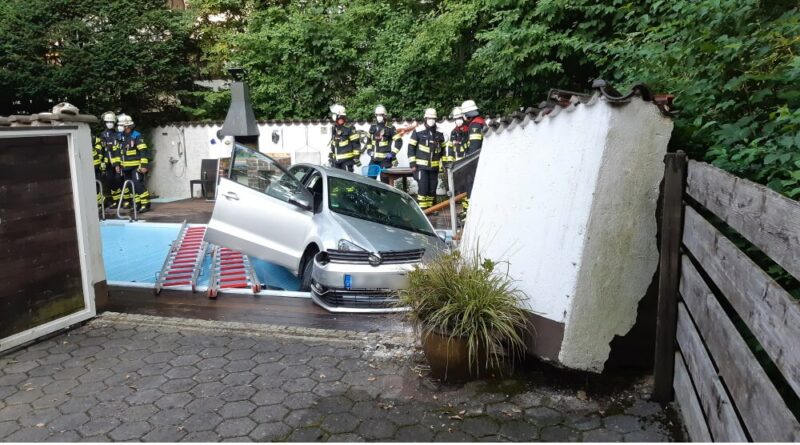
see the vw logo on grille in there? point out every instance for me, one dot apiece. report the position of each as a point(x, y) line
point(375, 259)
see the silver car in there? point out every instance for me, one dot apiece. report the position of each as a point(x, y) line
point(350, 239)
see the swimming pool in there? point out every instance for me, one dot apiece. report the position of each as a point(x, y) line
point(133, 252)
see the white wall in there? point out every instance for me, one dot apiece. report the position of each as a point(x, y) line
point(188, 145)
point(570, 202)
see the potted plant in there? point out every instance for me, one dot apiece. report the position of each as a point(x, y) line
point(468, 314)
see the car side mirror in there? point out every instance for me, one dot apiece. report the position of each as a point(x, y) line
point(300, 202)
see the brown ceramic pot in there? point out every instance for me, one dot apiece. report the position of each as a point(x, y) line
point(449, 357)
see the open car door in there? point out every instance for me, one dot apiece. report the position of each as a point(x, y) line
point(261, 210)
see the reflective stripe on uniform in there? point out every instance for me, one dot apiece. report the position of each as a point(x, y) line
point(476, 137)
point(342, 156)
point(379, 155)
point(424, 148)
point(412, 142)
point(412, 159)
point(354, 137)
point(344, 143)
point(421, 162)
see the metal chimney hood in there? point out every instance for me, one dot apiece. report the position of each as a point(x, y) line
point(240, 121)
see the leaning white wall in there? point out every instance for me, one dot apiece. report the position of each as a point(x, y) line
point(582, 185)
point(189, 144)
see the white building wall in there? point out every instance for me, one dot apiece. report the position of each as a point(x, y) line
point(570, 203)
point(188, 145)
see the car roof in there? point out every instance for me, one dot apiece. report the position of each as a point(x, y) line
point(344, 174)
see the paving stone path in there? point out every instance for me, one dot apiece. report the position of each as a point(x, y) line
point(130, 378)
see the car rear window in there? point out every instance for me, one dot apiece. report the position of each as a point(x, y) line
point(376, 204)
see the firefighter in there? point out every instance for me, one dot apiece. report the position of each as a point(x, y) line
point(345, 145)
point(105, 148)
point(456, 145)
point(384, 142)
point(134, 161)
point(475, 128)
point(426, 148)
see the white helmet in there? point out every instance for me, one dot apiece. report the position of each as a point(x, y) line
point(380, 109)
point(338, 110)
point(109, 116)
point(469, 108)
point(430, 113)
point(125, 120)
point(457, 113)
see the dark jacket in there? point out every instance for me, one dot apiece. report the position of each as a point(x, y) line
point(426, 149)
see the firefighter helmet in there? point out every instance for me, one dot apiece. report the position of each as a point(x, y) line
point(469, 108)
point(457, 113)
point(430, 113)
point(125, 120)
point(338, 110)
point(109, 116)
point(380, 109)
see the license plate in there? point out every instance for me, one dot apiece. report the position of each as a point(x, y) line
point(348, 281)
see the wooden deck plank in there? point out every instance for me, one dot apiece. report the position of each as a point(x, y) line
point(283, 311)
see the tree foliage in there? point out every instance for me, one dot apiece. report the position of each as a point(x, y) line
point(732, 64)
point(132, 55)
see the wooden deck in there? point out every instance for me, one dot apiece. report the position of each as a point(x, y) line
point(284, 311)
point(193, 211)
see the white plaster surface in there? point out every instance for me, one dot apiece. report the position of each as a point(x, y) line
point(570, 203)
point(189, 145)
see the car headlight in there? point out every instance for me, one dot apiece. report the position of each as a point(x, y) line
point(350, 246)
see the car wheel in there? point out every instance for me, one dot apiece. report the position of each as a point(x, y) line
point(305, 286)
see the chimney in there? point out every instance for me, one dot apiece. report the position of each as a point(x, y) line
point(240, 121)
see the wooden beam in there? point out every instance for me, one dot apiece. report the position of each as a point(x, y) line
point(669, 275)
point(443, 204)
point(763, 410)
point(690, 407)
point(717, 406)
point(766, 218)
point(771, 314)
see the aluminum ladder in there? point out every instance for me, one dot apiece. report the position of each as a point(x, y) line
point(231, 269)
point(184, 260)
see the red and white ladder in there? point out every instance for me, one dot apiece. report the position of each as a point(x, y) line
point(231, 269)
point(184, 260)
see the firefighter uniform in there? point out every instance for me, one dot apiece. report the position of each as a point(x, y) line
point(345, 147)
point(106, 149)
point(384, 144)
point(457, 145)
point(475, 129)
point(134, 155)
point(100, 163)
point(426, 148)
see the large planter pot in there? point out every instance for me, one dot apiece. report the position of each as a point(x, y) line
point(449, 357)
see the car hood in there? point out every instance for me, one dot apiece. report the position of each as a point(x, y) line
point(380, 237)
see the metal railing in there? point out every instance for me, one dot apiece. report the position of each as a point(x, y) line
point(122, 198)
point(101, 206)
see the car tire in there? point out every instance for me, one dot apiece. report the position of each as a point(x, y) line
point(305, 285)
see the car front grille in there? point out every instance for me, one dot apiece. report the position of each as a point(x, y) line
point(388, 257)
point(360, 299)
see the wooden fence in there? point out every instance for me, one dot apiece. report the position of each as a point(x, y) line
point(728, 335)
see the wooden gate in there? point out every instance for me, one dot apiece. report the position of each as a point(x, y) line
point(728, 334)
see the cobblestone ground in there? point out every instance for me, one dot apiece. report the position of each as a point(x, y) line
point(130, 378)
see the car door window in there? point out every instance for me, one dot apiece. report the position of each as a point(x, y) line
point(299, 171)
point(260, 172)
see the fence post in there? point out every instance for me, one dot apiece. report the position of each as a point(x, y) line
point(669, 275)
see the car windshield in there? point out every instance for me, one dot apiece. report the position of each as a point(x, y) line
point(376, 204)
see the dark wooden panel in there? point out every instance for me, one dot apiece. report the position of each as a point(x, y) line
point(669, 274)
point(717, 406)
point(766, 218)
point(690, 407)
point(40, 276)
point(769, 311)
point(765, 414)
point(285, 311)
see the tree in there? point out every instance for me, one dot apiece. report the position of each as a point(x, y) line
point(131, 56)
